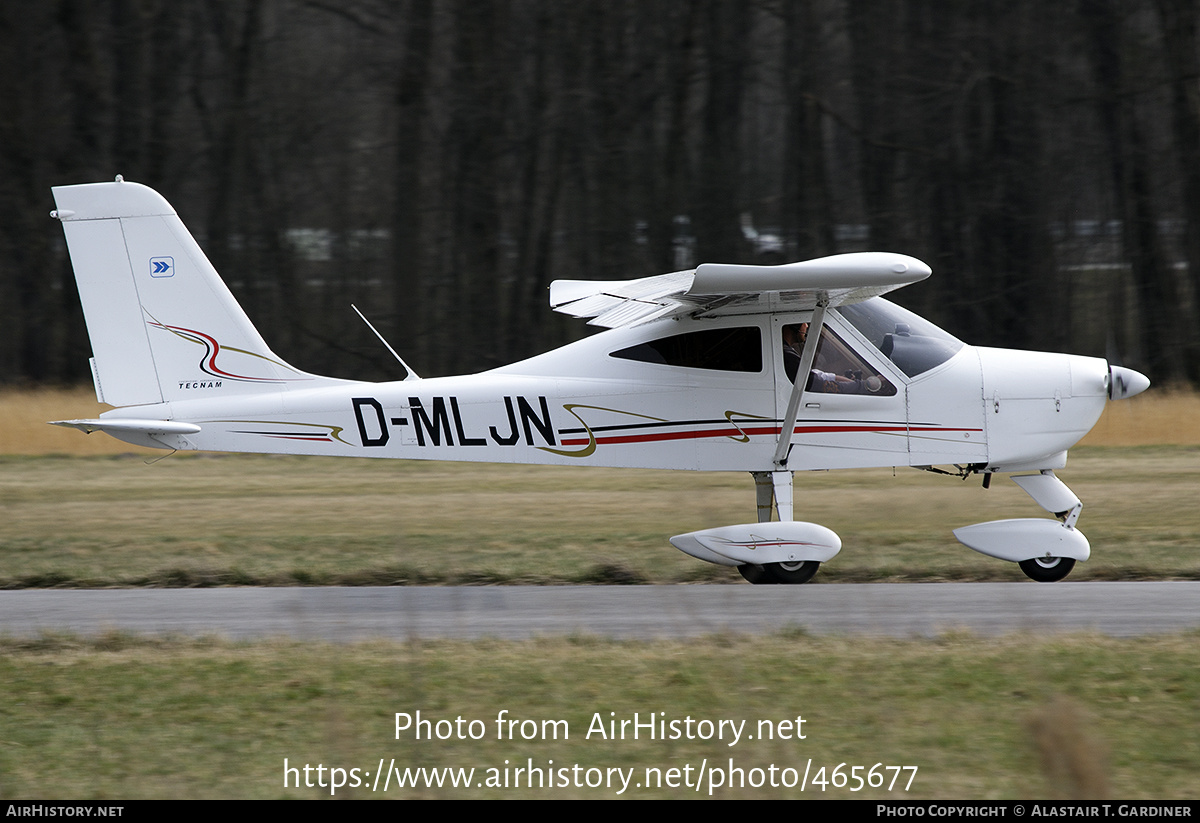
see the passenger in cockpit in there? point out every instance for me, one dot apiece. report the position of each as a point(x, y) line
point(793, 346)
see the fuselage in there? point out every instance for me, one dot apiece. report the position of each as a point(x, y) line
point(888, 389)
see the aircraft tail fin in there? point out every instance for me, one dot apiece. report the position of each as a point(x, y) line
point(163, 325)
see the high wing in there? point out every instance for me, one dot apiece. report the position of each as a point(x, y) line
point(714, 289)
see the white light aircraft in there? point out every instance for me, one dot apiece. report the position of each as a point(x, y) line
point(764, 369)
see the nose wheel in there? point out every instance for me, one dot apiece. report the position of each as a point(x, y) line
point(1047, 569)
point(1046, 550)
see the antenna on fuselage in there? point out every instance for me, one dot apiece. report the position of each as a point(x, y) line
point(411, 375)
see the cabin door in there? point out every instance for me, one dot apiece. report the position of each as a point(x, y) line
point(852, 413)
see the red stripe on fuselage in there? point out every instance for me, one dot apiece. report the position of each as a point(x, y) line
point(746, 430)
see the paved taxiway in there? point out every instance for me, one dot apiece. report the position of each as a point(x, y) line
point(342, 614)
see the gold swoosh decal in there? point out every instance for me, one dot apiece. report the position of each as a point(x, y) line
point(745, 438)
point(590, 448)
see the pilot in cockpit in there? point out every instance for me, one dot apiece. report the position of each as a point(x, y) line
point(851, 382)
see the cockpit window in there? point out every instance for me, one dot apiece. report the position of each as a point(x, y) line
point(836, 369)
point(911, 342)
point(736, 349)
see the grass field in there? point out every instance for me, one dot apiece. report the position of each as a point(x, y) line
point(244, 519)
point(1015, 717)
point(1010, 717)
point(189, 519)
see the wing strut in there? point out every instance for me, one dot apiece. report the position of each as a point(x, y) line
point(806, 361)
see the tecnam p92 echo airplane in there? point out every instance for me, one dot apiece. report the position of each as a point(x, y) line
point(762, 369)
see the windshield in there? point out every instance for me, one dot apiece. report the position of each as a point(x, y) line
point(910, 341)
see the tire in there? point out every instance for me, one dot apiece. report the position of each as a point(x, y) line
point(791, 573)
point(786, 573)
point(1047, 569)
point(754, 574)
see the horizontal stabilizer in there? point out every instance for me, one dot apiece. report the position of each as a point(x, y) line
point(143, 426)
point(155, 434)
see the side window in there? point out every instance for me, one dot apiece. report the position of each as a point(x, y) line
point(837, 368)
point(736, 349)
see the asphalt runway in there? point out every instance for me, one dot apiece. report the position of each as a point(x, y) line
point(401, 613)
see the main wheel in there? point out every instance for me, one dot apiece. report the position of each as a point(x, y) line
point(754, 573)
point(1047, 569)
point(801, 571)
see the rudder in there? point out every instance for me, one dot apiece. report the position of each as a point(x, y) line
point(163, 325)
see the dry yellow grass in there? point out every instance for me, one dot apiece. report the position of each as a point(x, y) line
point(24, 414)
point(1163, 417)
point(1156, 418)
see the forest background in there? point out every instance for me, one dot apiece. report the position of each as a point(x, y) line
point(439, 162)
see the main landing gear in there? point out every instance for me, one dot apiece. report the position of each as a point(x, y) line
point(769, 551)
point(774, 490)
point(800, 571)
